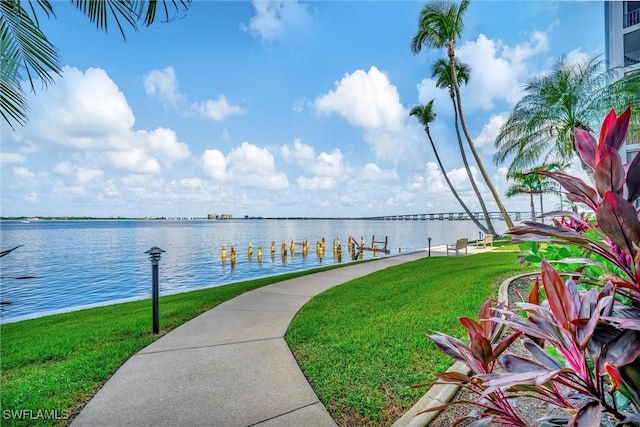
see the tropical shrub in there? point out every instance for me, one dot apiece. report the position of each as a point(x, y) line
point(583, 342)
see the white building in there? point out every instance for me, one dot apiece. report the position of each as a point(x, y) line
point(622, 44)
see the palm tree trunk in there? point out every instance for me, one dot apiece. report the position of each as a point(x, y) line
point(453, 190)
point(533, 208)
point(468, 169)
point(472, 146)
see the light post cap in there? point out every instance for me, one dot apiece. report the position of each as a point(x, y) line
point(154, 251)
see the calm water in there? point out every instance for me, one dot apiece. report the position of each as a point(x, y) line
point(80, 263)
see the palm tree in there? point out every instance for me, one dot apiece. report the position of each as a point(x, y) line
point(27, 54)
point(530, 183)
point(425, 115)
point(444, 80)
point(439, 26)
point(573, 94)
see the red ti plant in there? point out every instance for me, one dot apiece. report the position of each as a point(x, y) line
point(595, 332)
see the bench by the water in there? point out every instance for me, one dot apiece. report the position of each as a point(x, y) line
point(487, 241)
point(458, 246)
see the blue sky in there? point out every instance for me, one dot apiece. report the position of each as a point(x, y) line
point(274, 108)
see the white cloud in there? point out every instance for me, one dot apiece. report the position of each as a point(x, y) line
point(246, 165)
point(373, 172)
point(487, 136)
point(164, 142)
point(86, 175)
point(63, 168)
point(216, 109)
point(163, 84)
point(497, 70)
point(6, 157)
point(366, 99)
point(316, 183)
point(23, 173)
point(278, 20)
point(81, 110)
point(133, 160)
point(323, 164)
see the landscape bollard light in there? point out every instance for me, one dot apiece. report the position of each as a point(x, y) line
point(154, 256)
point(429, 239)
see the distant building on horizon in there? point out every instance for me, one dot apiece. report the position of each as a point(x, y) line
point(221, 216)
point(622, 44)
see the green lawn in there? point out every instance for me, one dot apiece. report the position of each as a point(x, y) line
point(362, 344)
point(57, 363)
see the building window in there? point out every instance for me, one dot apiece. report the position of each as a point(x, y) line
point(632, 48)
point(631, 13)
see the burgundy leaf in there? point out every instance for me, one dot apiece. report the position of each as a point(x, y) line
point(447, 345)
point(586, 146)
point(633, 179)
point(619, 220)
point(588, 416)
point(576, 187)
point(541, 355)
point(622, 350)
point(607, 125)
point(609, 173)
point(534, 295)
point(499, 348)
point(472, 326)
point(452, 377)
point(561, 303)
point(615, 134)
point(481, 350)
point(516, 365)
point(623, 323)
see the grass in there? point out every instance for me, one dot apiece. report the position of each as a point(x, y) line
point(362, 344)
point(57, 363)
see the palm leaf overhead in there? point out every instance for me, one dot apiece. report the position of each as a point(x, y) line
point(26, 55)
point(573, 94)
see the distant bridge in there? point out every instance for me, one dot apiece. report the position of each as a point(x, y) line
point(452, 216)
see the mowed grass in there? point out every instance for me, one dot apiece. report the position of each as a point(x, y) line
point(57, 363)
point(363, 343)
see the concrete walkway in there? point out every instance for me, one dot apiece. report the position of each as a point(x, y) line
point(229, 366)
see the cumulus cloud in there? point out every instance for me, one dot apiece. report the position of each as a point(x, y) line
point(164, 143)
point(366, 99)
point(23, 173)
point(81, 110)
point(373, 172)
point(6, 157)
point(498, 69)
point(316, 183)
point(497, 73)
point(246, 165)
point(216, 109)
point(323, 164)
point(163, 84)
point(278, 20)
point(487, 136)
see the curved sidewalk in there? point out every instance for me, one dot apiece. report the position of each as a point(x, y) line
point(229, 366)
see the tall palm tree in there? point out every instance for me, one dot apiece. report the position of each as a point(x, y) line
point(27, 54)
point(439, 26)
point(573, 94)
point(528, 183)
point(425, 115)
point(444, 80)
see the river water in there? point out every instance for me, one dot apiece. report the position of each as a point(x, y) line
point(86, 263)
